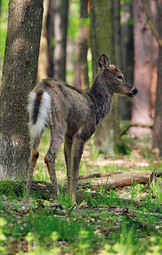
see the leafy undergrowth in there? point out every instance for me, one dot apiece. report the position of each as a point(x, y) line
point(126, 221)
point(103, 223)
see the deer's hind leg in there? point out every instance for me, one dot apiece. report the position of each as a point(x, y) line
point(57, 138)
point(33, 159)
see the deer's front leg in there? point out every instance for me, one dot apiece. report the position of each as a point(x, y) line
point(67, 152)
point(76, 154)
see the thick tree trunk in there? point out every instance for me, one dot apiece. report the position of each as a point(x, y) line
point(19, 77)
point(0, 43)
point(157, 129)
point(60, 35)
point(102, 41)
point(141, 110)
point(44, 66)
point(81, 80)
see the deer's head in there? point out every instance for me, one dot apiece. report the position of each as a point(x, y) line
point(115, 79)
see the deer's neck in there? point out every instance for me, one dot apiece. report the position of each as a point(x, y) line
point(102, 98)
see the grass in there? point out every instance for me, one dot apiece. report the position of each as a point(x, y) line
point(124, 221)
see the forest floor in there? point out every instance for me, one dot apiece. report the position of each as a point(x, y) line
point(124, 221)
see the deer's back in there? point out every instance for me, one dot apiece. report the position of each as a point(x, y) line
point(70, 105)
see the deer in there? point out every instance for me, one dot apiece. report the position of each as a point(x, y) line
point(71, 116)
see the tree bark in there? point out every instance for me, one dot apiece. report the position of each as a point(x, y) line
point(0, 42)
point(44, 66)
point(60, 35)
point(117, 32)
point(157, 129)
point(127, 53)
point(102, 41)
point(81, 80)
point(19, 77)
point(141, 110)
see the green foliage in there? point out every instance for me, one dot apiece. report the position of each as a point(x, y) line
point(130, 22)
point(122, 149)
point(126, 1)
point(85, 21)
point(73, 21)
point(10, 188)
point(109, 225)
point(90, 71)
point(3, 26)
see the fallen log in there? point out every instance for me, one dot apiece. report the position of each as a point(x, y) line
point(117, 180)
point(44, 189)
point(98, 175)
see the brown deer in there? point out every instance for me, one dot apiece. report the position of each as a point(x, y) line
point(72, 117)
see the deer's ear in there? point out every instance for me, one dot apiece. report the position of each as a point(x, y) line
point(104, 62)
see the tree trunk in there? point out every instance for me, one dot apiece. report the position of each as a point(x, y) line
point(50, 31)
point(157, 129)
point(0, 43)
point(117, 32)
point(60, 34)
point(141, 110)
point(155, 49)
point(44, 67)
point(102, 41)
point(127, 53)
point(81, 80)
point(19, 77)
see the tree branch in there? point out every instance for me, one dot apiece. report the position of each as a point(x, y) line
point(150, 23)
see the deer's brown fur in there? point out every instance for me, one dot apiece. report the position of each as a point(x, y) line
point(71, 116)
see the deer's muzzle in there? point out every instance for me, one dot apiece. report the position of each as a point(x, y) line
point(133, 92)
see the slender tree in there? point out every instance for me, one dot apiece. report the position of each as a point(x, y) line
point(117, 32)
point(102, 41)
point(81, 68)
point(60, 36)
point(44, 66)
point(157, 129)
point(18, 78)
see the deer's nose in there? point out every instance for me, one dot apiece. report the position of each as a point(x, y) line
point(134, 90)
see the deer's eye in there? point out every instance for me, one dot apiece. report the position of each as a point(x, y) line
point(120, 77)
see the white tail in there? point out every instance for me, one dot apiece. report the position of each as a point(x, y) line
point(42, 115)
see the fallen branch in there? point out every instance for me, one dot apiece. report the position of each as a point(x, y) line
point(151, 23)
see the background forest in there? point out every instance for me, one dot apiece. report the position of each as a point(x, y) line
point(75, 34)
point(117, 212)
